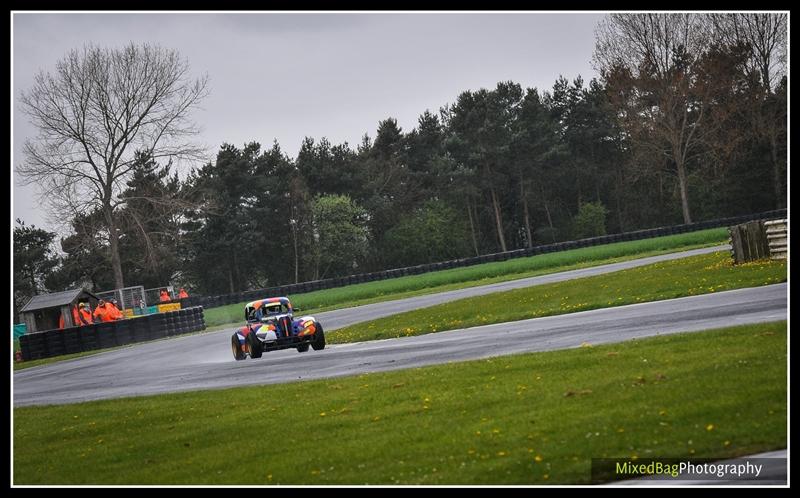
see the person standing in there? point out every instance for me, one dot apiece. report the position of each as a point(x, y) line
point(105, 312)
point(100, 312)
point(114, 311)
point(84, 315)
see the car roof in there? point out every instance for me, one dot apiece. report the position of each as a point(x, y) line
point(270, 300)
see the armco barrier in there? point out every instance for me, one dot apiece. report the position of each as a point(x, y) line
point(51, 343)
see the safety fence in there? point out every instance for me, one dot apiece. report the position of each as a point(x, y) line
point(300, 288)
point(137, 300)
point(778, 238)
point(127, 298)
point(58, 342)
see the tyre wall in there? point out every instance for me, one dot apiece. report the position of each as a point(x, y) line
point(50, 343)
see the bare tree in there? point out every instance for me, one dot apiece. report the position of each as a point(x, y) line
point(765, 34)
point(649, 62)
point(98, 108)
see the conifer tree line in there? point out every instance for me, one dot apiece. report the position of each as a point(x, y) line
point(687, 122)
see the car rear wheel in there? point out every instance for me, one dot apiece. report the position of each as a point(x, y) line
point(238, 354)
point(302, 348)
point(319, 339)
point(255, 345)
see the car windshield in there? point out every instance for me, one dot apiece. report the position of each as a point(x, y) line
point(275, 309)
point(266, 310)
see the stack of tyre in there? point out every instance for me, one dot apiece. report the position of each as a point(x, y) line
point(173, 323)
point(158, 326)
point(197, 319)
point(88, 337)
point(106, 338)
point(33, 346)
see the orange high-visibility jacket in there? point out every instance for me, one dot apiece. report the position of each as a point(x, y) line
point(164, 296)
point(182, 294)
point(84, 317)
point(102, 313)
point(114, 312)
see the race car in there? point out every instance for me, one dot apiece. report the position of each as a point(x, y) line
point(271, 325)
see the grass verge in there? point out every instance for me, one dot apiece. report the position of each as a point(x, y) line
point(713, 272)
point(483, 274)
point(526, 419)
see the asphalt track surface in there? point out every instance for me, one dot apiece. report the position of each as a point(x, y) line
point(342, 318)
point(181, 364)
point(205, 361)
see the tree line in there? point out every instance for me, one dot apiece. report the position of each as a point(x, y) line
point(686, 122)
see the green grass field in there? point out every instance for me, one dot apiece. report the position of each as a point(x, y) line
point(526, 419)
point(713, 272)
point(487, 273)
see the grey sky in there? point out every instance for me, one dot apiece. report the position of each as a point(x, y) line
point(276, 76)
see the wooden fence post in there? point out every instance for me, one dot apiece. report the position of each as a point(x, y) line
point(749, 242)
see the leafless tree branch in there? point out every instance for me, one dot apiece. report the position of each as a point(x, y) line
point(94, 112)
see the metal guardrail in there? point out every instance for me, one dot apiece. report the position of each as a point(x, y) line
point(300, 288)
point(127, 298)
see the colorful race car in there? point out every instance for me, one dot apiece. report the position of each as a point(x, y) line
point(270, 325)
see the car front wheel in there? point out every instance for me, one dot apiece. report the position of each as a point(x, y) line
point(255, 345)
point(319, 339)
point(238, 354)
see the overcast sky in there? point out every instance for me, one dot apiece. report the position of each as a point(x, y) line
point(283, 76)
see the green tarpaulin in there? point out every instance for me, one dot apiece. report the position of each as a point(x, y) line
point(19, 329)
